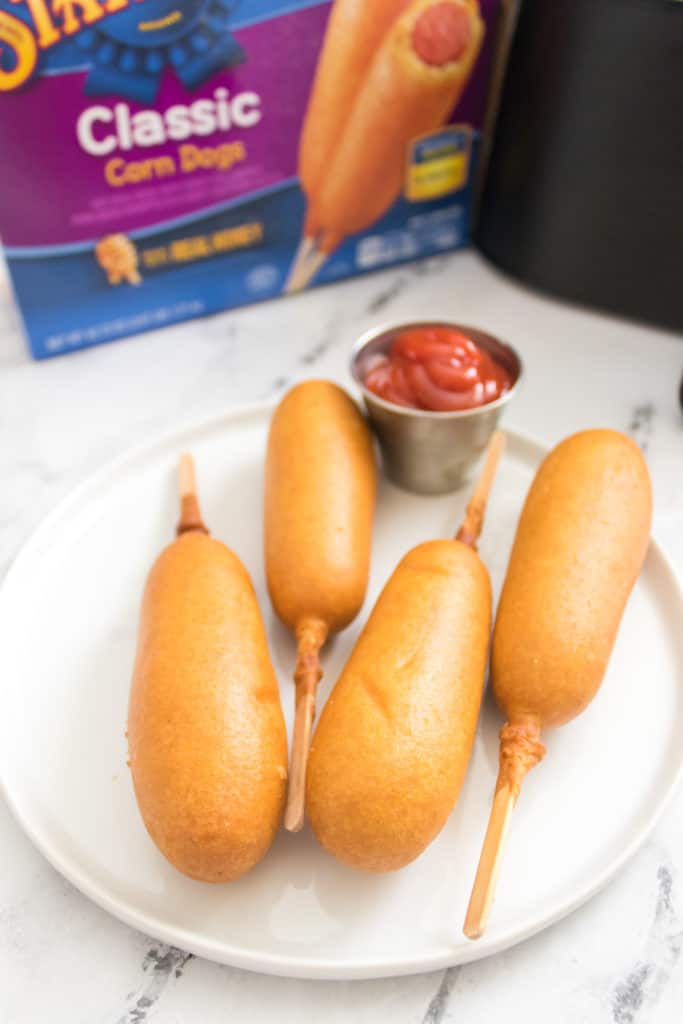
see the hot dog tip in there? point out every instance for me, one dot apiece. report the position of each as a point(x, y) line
point(441, 33)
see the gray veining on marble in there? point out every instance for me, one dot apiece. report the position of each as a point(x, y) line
point(161, 967)
point(650, 975)
point(439, 1003)
point(62, 959)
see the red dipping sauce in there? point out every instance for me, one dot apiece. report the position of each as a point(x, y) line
point(438, 369)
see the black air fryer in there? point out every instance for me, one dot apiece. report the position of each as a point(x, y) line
point(584, 192)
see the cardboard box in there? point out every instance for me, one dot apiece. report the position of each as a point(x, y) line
point(165, 159)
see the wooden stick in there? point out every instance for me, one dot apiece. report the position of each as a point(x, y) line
point(476, 508)
point(307, 263)
point(311, 635)
point(486, 879)
point(306, 245)
point(520, 750)
point(190, 516)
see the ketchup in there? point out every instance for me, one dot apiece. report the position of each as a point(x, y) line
point(438, 369)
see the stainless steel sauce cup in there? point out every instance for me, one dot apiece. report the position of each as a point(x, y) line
point(430, 452)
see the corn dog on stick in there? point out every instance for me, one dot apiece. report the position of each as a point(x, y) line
point(411, 87)
point(318, 509)
point(394, 739)
point(579, 547)
point(207, 744)
point(354, 32)
point(413, 84)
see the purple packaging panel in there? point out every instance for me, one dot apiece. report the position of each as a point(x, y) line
point(165, 160)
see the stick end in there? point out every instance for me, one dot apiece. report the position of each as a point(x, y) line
point(190, 515)
point(477, 917)
point(306, 266)
point(187, 480)
point(294, 818)
point(473, 522)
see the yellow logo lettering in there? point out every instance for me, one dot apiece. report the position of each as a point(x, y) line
point(19, 38)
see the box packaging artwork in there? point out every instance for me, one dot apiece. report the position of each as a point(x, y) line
point(165, 159)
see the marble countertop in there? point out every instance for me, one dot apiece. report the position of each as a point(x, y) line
point(65, 961)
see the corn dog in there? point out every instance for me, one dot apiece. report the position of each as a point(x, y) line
point(354, 32)
point(206, 736)
point(319, 503)
point(412, 85)
point(394, 739)
point(580, 544)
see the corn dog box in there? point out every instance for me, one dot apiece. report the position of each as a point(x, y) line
point(166, 159)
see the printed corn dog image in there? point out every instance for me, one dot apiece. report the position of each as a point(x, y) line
point(118, 257)
point(411, 87)
point(354, 32)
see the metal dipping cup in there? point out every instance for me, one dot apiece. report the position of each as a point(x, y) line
point(430, 452)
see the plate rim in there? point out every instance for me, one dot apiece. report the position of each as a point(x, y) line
point(282, 965)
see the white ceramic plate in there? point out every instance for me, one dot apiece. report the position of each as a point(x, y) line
point(68, 615)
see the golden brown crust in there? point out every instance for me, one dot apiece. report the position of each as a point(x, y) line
point(207, 741)
point(394, 739)
point(520, 751)
point(311, 634)
point(580, 545)
point(319, 505)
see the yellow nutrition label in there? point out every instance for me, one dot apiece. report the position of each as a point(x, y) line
point(438, 163)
